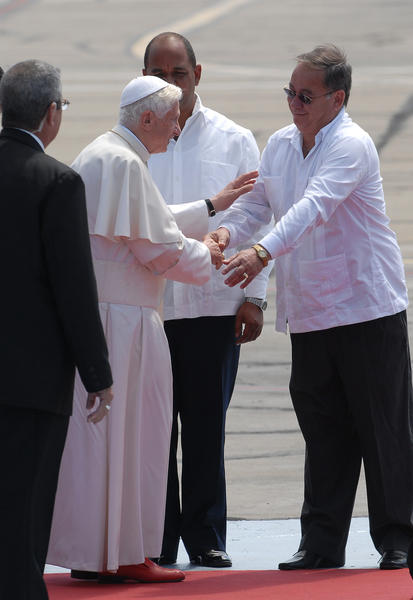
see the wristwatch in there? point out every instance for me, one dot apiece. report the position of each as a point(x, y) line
point(263, 254)
point(262, 303)
point(210, 207)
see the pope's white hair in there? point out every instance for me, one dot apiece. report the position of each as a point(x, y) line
point(159, 103)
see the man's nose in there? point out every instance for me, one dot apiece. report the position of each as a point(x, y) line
point(296, 101)
point(170, 79)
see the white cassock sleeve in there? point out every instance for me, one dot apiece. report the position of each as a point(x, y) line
point(188, 260)
point(192, 218)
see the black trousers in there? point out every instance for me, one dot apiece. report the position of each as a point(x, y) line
point(351, 388)
point(204, 364)
point(31, 446)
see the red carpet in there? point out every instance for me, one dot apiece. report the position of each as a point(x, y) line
point(344, 584)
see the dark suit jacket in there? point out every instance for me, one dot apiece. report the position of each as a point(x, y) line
point(49, 319)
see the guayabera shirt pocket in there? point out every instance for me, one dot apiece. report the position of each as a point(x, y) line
point(325, 282)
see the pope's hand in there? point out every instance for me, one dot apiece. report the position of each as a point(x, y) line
point(105, 401)
point(241, 185)
point(220, 236)
point(217, 257)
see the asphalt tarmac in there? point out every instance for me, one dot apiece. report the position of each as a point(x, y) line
point(247, 49)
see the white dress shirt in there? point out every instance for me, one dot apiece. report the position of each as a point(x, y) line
point(337, 261)
point(210, 152)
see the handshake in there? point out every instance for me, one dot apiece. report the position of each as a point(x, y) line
point(217, 241)
point(245, 265)
point(223, 200)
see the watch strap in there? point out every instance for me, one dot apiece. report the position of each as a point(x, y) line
point(211, 210)
point(261, 302)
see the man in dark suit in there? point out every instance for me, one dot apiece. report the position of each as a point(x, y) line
point(49, 321)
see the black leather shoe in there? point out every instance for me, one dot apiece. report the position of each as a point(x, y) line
point(212, 558)
point(76, 574)
point(166, 560)
point(304, 559)
point(393, 559)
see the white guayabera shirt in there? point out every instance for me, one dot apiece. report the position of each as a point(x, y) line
point(337, 261)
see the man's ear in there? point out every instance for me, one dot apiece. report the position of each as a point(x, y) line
point(143, 71)
point(146, 120)
point(50, 124)
point(51, 114)
point(197, 71)
point(339, 97)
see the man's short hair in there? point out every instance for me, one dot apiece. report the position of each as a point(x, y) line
point(166, 34)
point(159, 103)
point(26, 91)
point(333, 61)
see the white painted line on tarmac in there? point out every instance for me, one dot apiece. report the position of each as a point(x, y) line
point(10, 5)
point(182, 26)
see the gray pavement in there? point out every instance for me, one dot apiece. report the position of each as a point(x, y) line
point(262, 545)
point(247, 49)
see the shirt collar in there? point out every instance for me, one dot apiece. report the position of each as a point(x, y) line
point(198, 106)
point(324, 131)
point(295, 135)
point(38, 140)
point(198, 110)
point(133, 141)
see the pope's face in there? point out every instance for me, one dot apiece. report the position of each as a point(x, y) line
point(164, 129)
point(310, 118)
point(169, 60)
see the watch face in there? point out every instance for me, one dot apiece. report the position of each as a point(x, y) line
point(261, 253)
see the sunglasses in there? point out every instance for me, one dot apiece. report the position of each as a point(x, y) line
point(302, 97)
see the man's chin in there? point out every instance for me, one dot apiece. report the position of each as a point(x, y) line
point(298, 117)
point(299, 121)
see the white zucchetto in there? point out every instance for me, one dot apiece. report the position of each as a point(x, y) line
point(139, 88)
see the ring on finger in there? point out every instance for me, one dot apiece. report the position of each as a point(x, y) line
point(107, 406)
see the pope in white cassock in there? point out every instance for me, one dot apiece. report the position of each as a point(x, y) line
point(110, 504)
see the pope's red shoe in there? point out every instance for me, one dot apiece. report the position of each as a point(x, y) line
point(147, 572)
